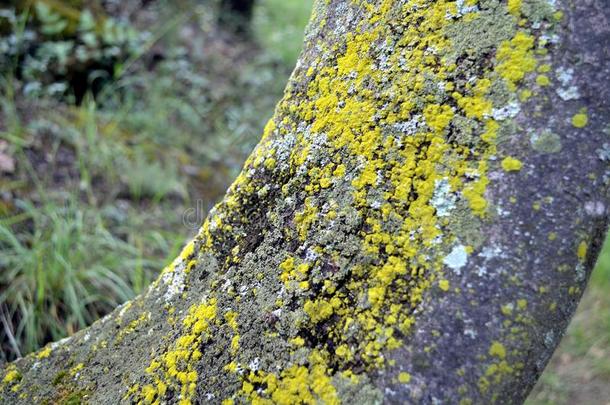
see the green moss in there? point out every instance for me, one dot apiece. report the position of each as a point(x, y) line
point(59, 377)
point(74, 398)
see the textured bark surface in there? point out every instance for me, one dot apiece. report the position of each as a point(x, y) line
point(416, 225)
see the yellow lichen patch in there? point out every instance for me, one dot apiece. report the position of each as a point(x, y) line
point(296, 384)
point(507, 309)
point(544, 68)
point(511, 164)
point(270, 163)
point(293, 272)
point(494, 374)
point(525, 95)
point(404, 377)
point(514, 7)
point(543, 80)
point(306, 218)
point(12, 376)
point(437, 116)
point(474, 107)
point(581, 252)
point(321, 310)
point(339, 171)
point(176, 367)
point(77, 368)
point(44, 353)
point(231, 319)
point(474, 193)
point(444, 285)
point(297, 341)
point(516, 58)
point(132, 326)
point(235, 343)
point(187, 251)
point(580, 120)
point(269, 128)
point(186, 256)
point(497, 349)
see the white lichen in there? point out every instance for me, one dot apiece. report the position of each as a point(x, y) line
point(567, 91)
point(456, 259)
point(595, 208)
point(174, 281)
point(604, 152)
point(510, 110)
point(442, 199)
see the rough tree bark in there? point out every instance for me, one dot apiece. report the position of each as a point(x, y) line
point(416, 225)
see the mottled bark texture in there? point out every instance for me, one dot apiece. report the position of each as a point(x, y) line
point(416, 225)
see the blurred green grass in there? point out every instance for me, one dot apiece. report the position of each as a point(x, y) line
point(68, 271)
point(279, 26)
point(93, 209)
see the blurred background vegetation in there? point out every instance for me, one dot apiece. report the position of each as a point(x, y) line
point(116, 117)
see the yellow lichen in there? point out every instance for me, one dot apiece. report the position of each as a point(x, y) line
point(175, 367)
point(543, 80)
point(514, 7)
point(11, 376)
point(582, 250)
point(296, 384)
point(511, 164)
point(497, 349)
point(404, 377)
point(44, 353)
point(516, 58)
point(580, 120)
point(438, 116)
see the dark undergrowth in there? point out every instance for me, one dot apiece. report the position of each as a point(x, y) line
point(122, 123)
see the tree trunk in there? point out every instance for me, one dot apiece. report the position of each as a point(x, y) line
point(416, 225)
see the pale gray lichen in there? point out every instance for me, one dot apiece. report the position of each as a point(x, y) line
point(581, 274)
point(546, 142)
point(174, 281)
point(567, 91)
point(510, 110)
point(442, 199)
point(549, 339)
point(457, 258)
point(595, 208)
point(604, 153)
